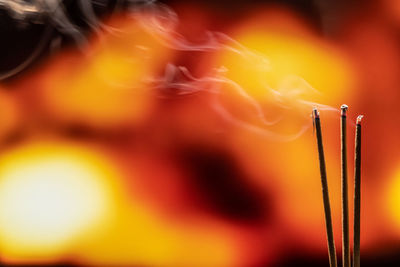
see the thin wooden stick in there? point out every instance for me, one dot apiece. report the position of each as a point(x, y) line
point(325, 192)
point(357, 194)
point(345, 207)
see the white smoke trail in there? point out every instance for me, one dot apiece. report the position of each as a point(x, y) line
point(37, 12)
point(180, 79)
point(161, 22)
point(22, 10)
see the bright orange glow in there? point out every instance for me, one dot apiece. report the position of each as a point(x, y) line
point(50, 194)
point(106, 87)
point(293, 65)
point(296, 62)
point(11, 113)
point(59, 198)
point(393, 200)
point(140, 237)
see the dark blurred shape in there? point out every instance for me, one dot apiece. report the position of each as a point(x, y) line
point(27, 38)
point(388, 258)
point(18, 42)
point(219, 177)
point(303, 261)
point(232, 10)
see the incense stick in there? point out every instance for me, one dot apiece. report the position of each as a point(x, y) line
point(357, 194)
point(325, 192)
point(345, 207)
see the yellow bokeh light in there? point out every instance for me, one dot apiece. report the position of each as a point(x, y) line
point(293, 64)
point(109, 85)
point(285, 70)
point(63, 202)
point(393, 200)
point(49, 196)
point(289, 63)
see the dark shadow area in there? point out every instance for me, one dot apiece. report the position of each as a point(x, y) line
point(225, 186)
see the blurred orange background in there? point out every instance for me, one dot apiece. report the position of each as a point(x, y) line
point(112, 154)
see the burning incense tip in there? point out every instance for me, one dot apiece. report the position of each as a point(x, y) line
point(357, 194)
point(359, 118)
point(315, 113)
point(344, 108)
point(344, 187)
